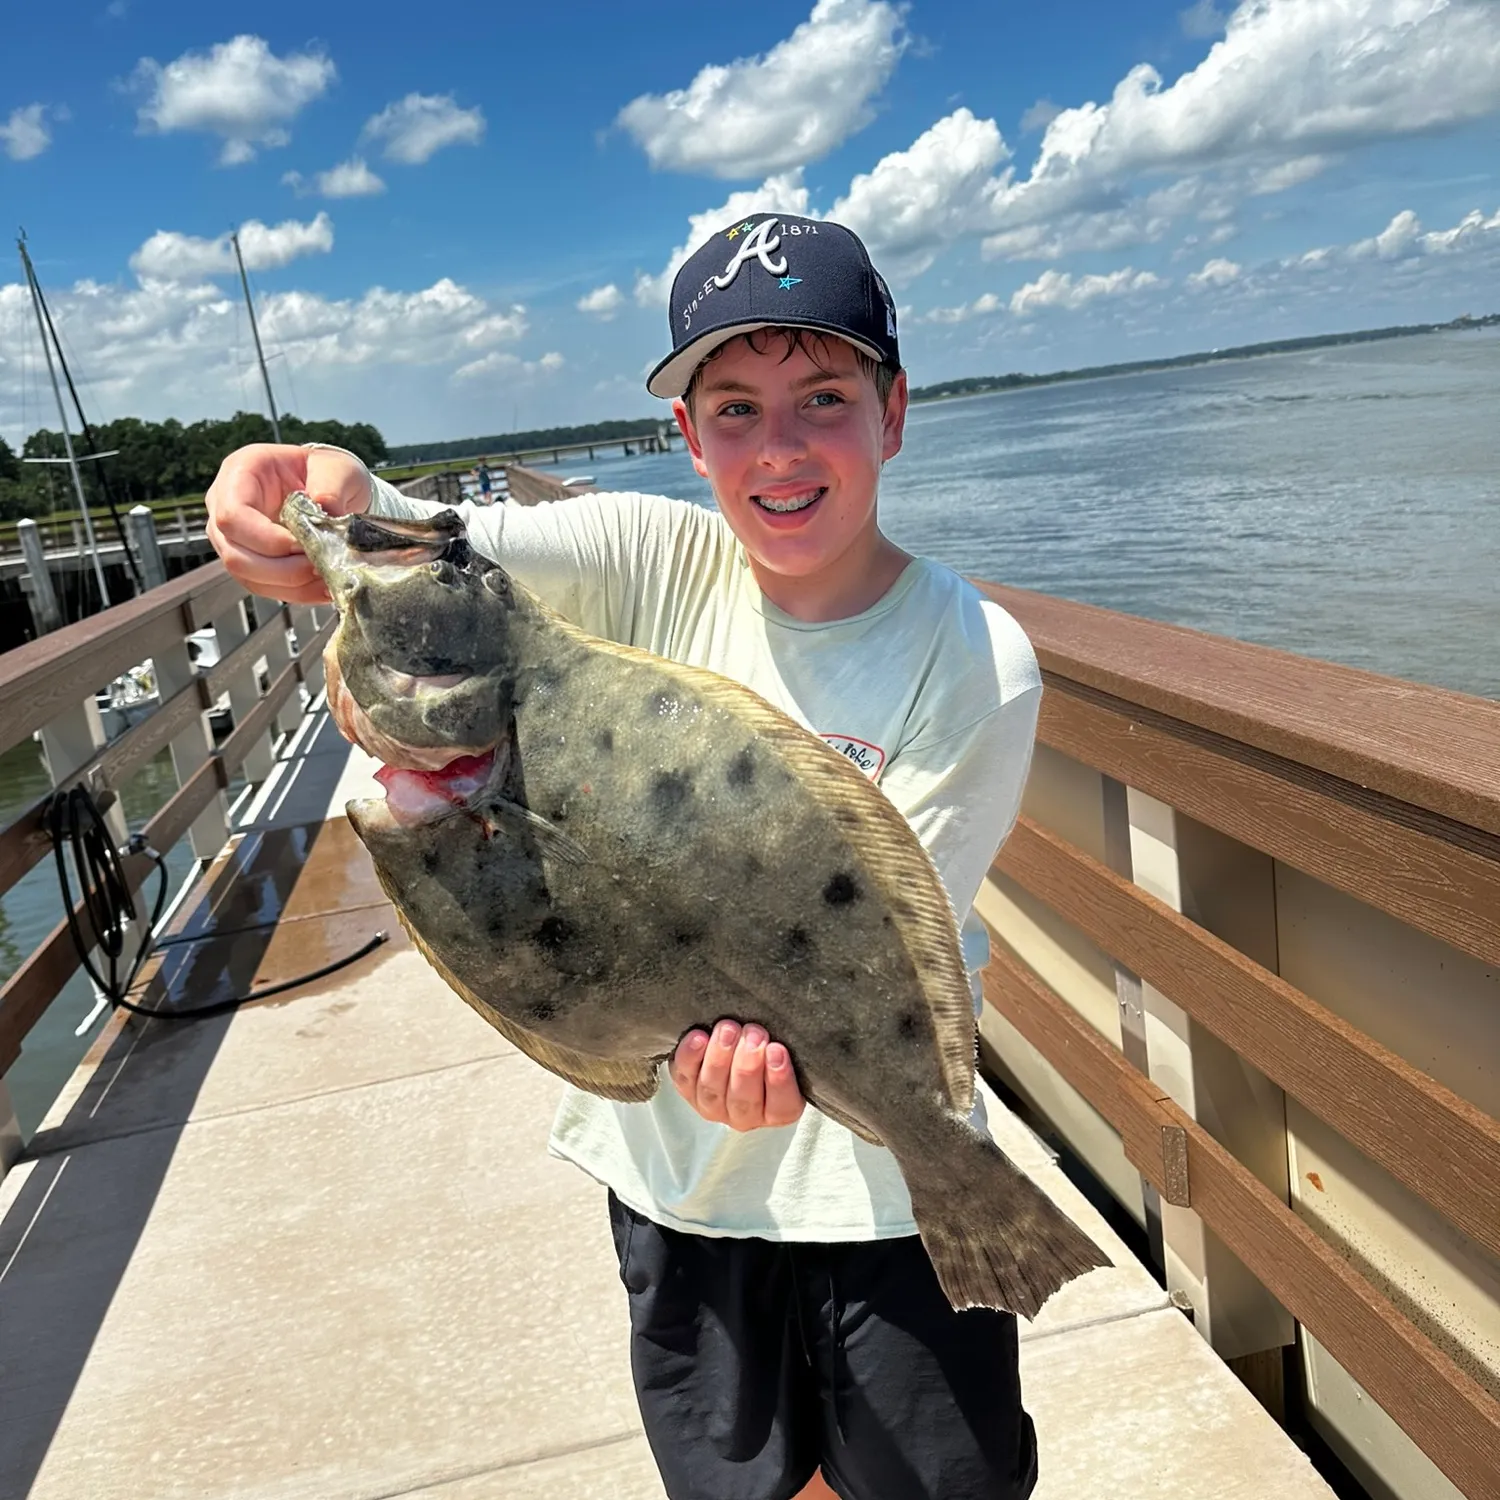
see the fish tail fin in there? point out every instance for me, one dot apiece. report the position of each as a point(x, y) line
point(994, 1238)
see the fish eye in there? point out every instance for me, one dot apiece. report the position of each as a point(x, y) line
point(498, 584)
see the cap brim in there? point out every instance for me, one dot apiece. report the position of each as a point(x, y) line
point(675, 373)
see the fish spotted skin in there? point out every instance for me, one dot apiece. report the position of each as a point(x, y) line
point(656, 847)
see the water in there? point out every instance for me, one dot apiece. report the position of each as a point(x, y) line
point(1343, 503)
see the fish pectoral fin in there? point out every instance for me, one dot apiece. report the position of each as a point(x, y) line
point(840, 1117)
point(628, 1080)
point(510, 817)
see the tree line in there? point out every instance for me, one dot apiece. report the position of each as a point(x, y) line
point(156, 460)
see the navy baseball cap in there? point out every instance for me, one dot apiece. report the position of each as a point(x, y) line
point(775, 271)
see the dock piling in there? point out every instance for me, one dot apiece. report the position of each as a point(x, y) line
point(42, 597)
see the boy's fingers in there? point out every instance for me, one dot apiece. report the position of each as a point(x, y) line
point(279, 577)
point(686, 1061)
point(713, 1076)
point(745, 1103)
point(784, 1102)
point(337, 482)
point(250, 528)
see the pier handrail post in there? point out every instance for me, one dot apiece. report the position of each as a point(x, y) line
point(278, 658)
point(243, 691)
point(209, 831)
point(142, 527)
point(45, 613)
point(305, 621)
point(1221, 886)
point(10, 1132)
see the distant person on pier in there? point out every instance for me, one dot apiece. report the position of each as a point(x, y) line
point(484, 484)
point(790, 1340)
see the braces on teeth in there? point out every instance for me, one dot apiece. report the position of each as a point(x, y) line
point(799, 502)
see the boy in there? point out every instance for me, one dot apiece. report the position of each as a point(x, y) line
point(788, 1334)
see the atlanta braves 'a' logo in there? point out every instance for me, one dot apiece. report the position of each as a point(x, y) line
point(759, 244)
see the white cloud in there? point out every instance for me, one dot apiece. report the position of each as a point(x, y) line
point(498, 363)
point(170, 256)
point(239, 90)
point(914, 202)
point(1404, 238)
point(603, 302)
point(1292, 83)
point(439, 323)
point(1399, 237)
point(1201, 20)
point(168, 348)
point(1216, 272)
point(1138, 221)
point(1055, 288)
point(1291, 79)
point(1469, 229)
point(982, 306)
point(25, 134)
point(1287, 174)
point(760, 115)
point(1040, 116)
point(414, 128)
point(783, 194)
point(350, 179)
point(1291, 86)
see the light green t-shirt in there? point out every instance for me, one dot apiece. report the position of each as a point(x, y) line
point(932, 691)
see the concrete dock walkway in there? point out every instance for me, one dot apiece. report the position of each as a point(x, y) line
point(318, 1249)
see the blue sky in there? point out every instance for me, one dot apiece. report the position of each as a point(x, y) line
point(463, 218)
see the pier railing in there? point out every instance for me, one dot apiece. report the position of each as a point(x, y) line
point(63, 531)
point(1247, 963)
point(48, 688)
point(1246, 948)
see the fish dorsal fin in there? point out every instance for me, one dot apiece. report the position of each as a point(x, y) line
point(911, 887)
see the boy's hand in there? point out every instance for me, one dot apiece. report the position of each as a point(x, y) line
point(737, 1077)
point(244, 503)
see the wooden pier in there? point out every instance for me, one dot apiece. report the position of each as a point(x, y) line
point(1245, 947)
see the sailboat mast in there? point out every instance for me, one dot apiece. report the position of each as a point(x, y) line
point(62, 417)
point(234, 240)
point(93, 442)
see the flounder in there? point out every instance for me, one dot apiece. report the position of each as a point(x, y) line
point(600, 849)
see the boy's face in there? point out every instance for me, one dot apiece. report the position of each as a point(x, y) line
point(793, 447)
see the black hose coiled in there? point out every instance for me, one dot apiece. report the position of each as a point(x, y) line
point(75, 822)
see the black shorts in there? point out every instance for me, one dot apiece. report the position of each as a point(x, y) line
point(756, 1363)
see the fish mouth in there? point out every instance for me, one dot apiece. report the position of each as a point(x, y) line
point(417, 797)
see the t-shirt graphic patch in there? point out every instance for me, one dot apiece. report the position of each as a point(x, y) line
point(869, 758)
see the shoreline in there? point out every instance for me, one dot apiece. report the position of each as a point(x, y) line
point(999, 385)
